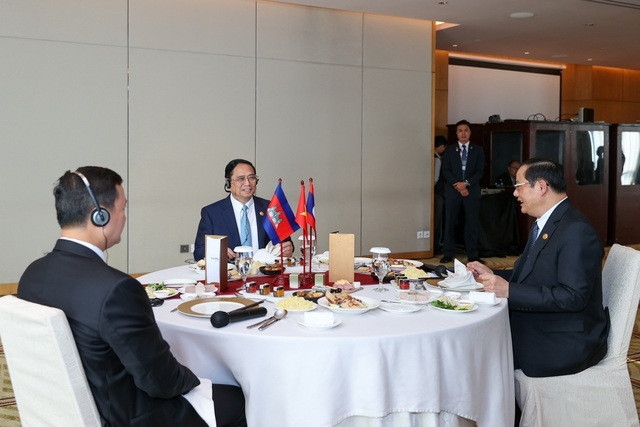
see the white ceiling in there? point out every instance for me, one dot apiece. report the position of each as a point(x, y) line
point(590, 32)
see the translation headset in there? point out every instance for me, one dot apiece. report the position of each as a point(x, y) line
point(100, 216)
point(227, 184)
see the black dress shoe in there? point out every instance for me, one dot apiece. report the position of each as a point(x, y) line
point(445, 259)
point(476, 259)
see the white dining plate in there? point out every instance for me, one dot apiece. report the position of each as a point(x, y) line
point(257, 296)
point(178, 283)
point(489, 304)
point(370, 302)
point(400, 308)
point(448, 310)
point(196, 269)
point(443, 285)
point(206, 307)
point(172, 292)
point(431, 295)
point(336, 322)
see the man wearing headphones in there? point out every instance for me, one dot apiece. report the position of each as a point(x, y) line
point(238, 216)
point(134, 378)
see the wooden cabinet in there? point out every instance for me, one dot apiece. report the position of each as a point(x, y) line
point(624, 178)
point(582, 149)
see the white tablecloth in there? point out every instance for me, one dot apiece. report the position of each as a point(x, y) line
point(372, 365)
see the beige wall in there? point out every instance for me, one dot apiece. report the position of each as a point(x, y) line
point(171, 90)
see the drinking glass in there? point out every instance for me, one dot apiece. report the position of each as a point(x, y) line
point(381, 266)
point(243, 261)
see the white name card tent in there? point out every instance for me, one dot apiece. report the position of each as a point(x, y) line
point(215, 249)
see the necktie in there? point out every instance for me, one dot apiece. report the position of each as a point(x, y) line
point(464, 160)
point(532, 237)
point(245, 228)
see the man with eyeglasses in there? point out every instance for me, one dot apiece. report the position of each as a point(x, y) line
point(558, 323)
point(238, 216)
point(508, 178)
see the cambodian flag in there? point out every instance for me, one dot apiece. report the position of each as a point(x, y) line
point(280, 222)
point(311, 206)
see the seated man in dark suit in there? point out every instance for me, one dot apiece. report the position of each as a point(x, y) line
point(134, 378)
point(558, 324)
point(508, 178)
point(229, 217)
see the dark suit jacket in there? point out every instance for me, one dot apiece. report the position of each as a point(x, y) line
point(558, 324)
point(218, 218)
point(134, 378)
point(504, 179)
point(452, 170)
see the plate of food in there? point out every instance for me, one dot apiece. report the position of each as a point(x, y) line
point(347, 304)
point(418, 297)
point(312, 295)
point(206, 307)
point(159, 290)
point(296, 304)
point(176, 283)
point(445, 303)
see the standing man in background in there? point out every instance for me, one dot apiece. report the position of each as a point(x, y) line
point(463, 167)
point(440, 143)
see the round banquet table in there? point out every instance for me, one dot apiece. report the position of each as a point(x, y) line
point(378, 368)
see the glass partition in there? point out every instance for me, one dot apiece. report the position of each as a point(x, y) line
point(506, 146)
point(630, 150)
point(589, 165)
point(550, 144)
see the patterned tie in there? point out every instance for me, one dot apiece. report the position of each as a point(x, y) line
point(245, 228)
point(464, 161)
point(532, 237)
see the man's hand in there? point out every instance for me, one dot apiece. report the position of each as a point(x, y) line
point(286, 248)
point(464, 193)
point(478, 268)
point(230, 254)
point(460, 186)
point(493, 283)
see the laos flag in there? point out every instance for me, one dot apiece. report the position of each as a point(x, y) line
point(280, 221)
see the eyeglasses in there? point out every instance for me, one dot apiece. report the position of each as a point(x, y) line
point(520, 184)
point(252, 179)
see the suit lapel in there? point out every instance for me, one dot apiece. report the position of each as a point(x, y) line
point(545, 236)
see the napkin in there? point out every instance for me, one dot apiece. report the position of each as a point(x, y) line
point(460, 278)
point(320, 318)
point(269, 254)
point(483, 297)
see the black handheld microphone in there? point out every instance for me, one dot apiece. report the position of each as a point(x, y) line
point(220, 319)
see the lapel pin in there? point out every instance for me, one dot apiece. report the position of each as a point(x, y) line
point(545, 236)
point(261, 213)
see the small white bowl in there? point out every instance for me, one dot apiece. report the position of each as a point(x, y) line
point(453, 295)
point(161, 294)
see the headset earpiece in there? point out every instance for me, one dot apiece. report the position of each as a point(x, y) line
point(227, 184)
point(99, 216)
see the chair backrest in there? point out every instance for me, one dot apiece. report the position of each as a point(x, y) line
point(621, 292)
point(46, 372)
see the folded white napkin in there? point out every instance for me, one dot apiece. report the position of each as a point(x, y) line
point(269, 254)
point(460, 278)
point(320, 318)
point(483, 297)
